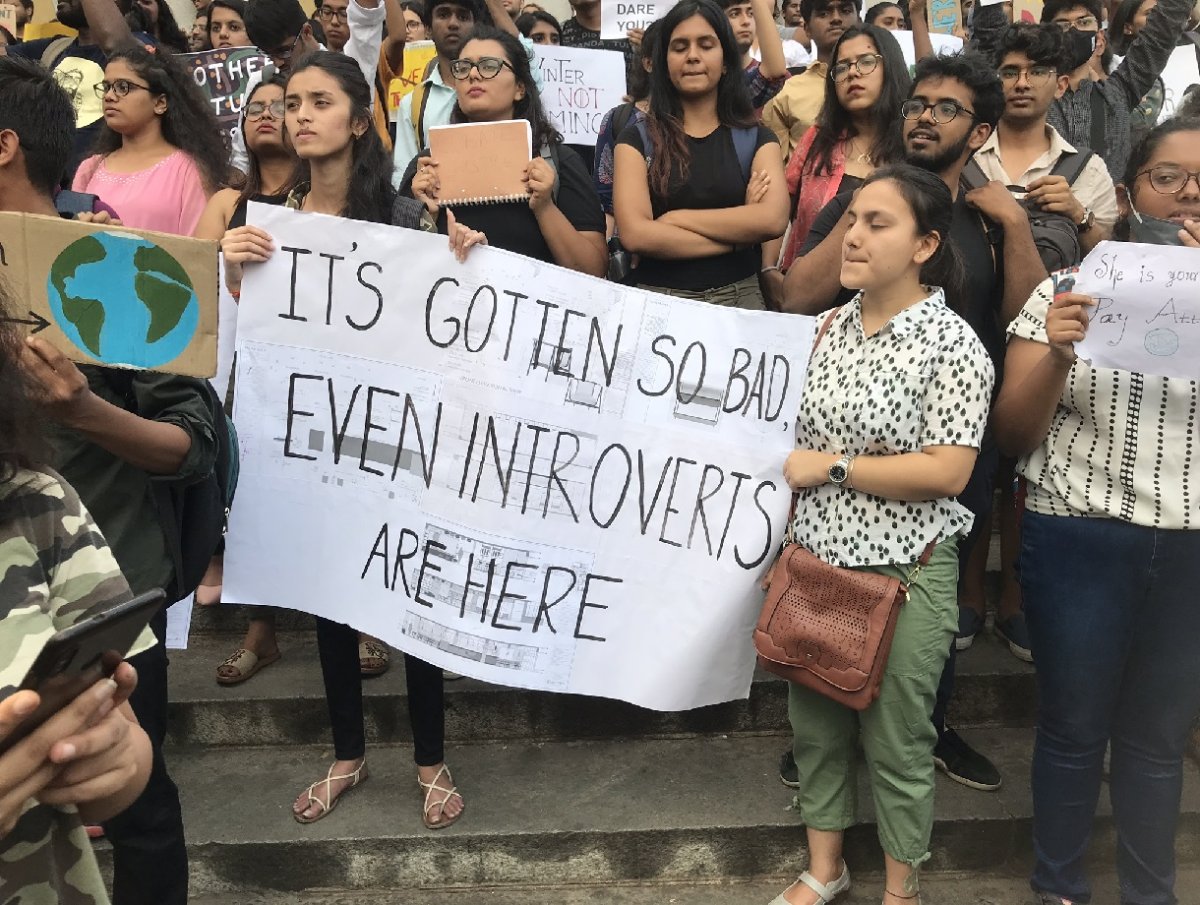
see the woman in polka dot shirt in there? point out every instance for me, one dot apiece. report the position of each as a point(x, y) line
point(894, 408)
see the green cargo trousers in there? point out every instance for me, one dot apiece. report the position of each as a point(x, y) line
point(897, 733)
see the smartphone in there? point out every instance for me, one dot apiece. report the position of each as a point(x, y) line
point(82, 654)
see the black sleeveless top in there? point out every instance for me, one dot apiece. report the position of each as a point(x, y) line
point(239, 212)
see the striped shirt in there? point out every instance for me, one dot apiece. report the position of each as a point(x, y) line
point(1121, 445)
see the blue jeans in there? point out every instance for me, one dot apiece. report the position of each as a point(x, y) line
point(1114, 618)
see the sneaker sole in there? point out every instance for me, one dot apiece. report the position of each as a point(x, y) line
point(962, 780)
point(1021, 653)
point(789, 783)
point(964, 643)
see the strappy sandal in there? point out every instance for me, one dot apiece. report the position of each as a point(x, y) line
point(826, 893)
point(357, 778)
point(430, 788)
point(373, 658)
point(242, 664)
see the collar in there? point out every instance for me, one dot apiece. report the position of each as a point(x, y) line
point(1058, 146)
point(904, 323)
point(435, 76)
point(818, 69)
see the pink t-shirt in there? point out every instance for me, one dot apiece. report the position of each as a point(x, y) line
point(168, 197)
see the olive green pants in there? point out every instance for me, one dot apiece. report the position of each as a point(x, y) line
point(742, 294)
point(897, 734)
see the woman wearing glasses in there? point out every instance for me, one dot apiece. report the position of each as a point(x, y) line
point(1110, 556)
point(160, 153)
point(562, 222)
point(858, 130)
point(698, 185)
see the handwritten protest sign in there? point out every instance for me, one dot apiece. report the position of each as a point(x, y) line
point(945, 16)
point(114, 296)
point(618, 17)
point(1147, 314)
point(579, 86)
point(223, 76)
point(525, 475)
point(417, 56)
point(941, 44)
point(1181, 72)
point(1028, 11)
point(8, 17)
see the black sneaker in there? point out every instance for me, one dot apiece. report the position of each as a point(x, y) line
point(962, 763)
point(789, 773)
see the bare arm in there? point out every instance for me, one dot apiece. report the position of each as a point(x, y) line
point(501, 18)
point(393, 42)
point(107, 26)
point(918, 21)
point(748, 223)
point(585, 252)
point(216, 215)
point(934, 473)
point(773, 64)
point(814, 280)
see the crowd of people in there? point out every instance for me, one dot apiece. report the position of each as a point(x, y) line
point(789, 160)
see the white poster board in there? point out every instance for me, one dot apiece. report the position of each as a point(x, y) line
point(1147, 314)
point(515, 472)
point(618, 17)
point(941, 44)
point(580, 85)
point(1181, 73)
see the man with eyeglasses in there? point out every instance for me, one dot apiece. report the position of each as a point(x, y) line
point(796, 106)
point(1025, 151)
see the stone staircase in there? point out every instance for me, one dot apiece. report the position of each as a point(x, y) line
point(562, 792)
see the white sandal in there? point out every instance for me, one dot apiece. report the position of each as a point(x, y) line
point(826, 892)
point(430, 787)
point(356, 778)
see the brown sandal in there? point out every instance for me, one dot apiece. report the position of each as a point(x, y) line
point(357, 778)
point(440, 806)
point(242, 664)
point(373, 658)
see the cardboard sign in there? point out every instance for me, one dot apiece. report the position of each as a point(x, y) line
point(223, 75)
point(509, 469)
point(1027, 11)
point(417, 57)
point(48, 30)
point(945, 16)
point(579, 86)
point(8, 18)
point(113, 296)
point(482, 163)
point(619, 17)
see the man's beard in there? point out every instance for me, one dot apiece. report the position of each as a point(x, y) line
point(939, 158)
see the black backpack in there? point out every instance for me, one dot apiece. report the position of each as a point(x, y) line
point(1055, 235)
point(195, 516)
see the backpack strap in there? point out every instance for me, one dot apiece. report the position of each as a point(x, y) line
point(745, 143)
point(54, 50)
point(621, 117)
point(551, 156)
point(972, 176)
point(1071, 164)
point(420, 101)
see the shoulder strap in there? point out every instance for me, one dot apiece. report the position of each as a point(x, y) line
point(1099, 120)
point(824, 328)
point(972, 176)
point(420, 101)
point(644, 135)
point(54, 49)
point(550, 155)
point(621, 117)
point(745, 143)
point(1070, 165)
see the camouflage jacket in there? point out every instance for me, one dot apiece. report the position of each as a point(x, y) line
point(55, 568)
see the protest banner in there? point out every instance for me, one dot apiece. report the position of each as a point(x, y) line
point(1181, 72)
point(417, 56)
point(8, 17)
point(513, 471)
point(580, 85)
point(223, 75)
point(111, 295)
point(1147, 314)
point(945, 16)
point(35, 31)
point(619, 17)
point(941, 44)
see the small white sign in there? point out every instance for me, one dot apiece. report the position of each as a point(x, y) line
point(580, 85)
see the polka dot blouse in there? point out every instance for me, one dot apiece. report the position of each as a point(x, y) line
point(1121, 445)
point(923, 380)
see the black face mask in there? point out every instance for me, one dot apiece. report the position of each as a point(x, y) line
point(1079, 47)
point(1153, 230)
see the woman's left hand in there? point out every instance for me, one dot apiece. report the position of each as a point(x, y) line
point(539, 177)
point(807, 468)
point(1191, 231)
point(462, 237)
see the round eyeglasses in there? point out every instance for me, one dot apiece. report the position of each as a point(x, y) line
point(489, 67)
point(256, 109)
point(942, 112)
point(864, 64)
point(1168, 179)
point(119, 87)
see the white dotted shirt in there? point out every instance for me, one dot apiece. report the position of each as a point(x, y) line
point(1121, 445)
point(923, 380)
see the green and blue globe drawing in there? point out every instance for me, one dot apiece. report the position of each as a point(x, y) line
point(123, 300)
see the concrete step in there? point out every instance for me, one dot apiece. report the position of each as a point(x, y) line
point(285, 703)
point(596, 812)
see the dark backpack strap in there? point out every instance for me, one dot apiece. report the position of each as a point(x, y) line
point(745, 143)
point(54, 50)
point(621, 117)
point(647, 145)
point(1099, 120)
point(1071, 164)
point(972, 176)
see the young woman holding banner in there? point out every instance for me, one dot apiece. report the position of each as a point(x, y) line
point(329, 121)
point(1110, 556)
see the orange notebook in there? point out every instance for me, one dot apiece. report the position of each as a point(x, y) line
point(482, 163)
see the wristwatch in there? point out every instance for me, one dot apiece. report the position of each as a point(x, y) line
point(840, 470)
point(1088, 221)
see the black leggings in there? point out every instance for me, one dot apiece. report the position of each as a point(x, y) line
point(338, 648)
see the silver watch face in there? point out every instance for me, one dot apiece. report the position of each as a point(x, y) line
point(837, 472)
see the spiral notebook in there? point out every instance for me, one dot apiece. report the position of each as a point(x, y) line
point(482, 163)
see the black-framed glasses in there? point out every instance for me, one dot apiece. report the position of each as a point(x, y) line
point(342, 15)
point(864, 64)
point(1083, 23)
point(119, 87)
point(489, 67)
point(285, 56)
point(1168, 179)
point(256, 109)
point(1035, 75)
point(942, 111)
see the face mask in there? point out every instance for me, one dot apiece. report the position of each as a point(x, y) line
point(1152, 230)
point(1080, 45)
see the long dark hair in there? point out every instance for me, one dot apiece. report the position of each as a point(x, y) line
point(252, 187)
point(530, 106)
point(932, 206)
point(1142, 154)
point(369, 194)
point(639, 76)
point(834, 123)
point(665, 119)
point(22, 444)
point(189, 123)
point(166, 30)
